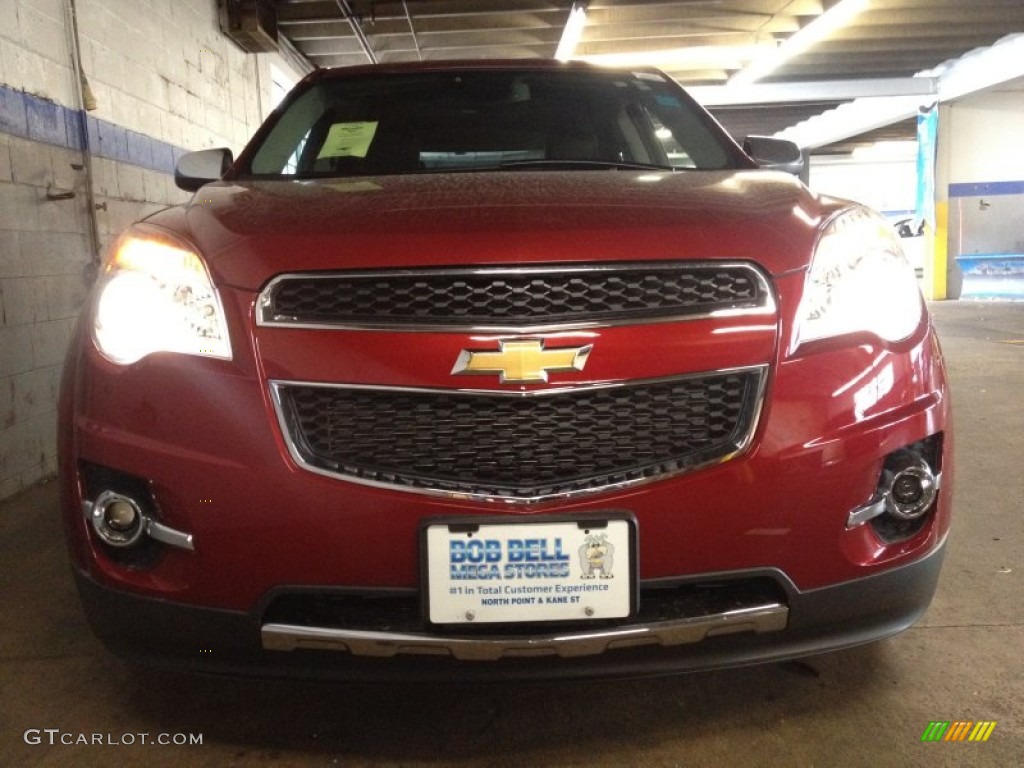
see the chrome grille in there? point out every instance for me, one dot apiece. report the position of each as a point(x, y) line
point(540, 295)
point(506, 445)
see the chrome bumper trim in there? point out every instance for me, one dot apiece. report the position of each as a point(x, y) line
point(770, 617)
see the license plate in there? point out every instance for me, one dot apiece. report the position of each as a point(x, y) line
point(555, 570)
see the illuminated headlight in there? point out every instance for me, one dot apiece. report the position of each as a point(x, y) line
point(859, 280)
point(155, 295)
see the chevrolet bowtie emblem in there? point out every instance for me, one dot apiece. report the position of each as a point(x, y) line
point(526, 361)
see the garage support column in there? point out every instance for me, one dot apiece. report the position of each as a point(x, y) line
point(935, 285)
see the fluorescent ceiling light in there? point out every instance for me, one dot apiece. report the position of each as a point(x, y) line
point(573, 31)
point(834, 18)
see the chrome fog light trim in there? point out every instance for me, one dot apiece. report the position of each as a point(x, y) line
point(865, 513)
point(170, 536)
point(880, 506)
point(911, 491)
point(119, 521)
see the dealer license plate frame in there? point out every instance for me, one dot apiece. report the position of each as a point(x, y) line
point(603, 597)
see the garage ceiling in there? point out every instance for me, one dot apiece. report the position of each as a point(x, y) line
point(700, 43)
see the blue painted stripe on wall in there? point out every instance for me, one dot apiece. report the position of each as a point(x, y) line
point(73, 122)
point(30, 117)
point(13, 117)
point(987, 188)
point(140, 149)
point(46, 123)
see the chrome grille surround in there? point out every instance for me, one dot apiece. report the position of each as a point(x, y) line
point(317, 443)
point(521, 299)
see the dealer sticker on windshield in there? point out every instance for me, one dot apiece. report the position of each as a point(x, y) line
point(564, 570)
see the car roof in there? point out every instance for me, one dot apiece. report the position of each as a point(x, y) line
point(477, 65)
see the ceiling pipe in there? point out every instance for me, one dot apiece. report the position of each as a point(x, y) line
point(975, 71)
point(412, 30)
point(83, 95)
point(353, 21)
point(816, 90)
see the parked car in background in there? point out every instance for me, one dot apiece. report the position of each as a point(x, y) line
point(502, 369)
point(911, 234)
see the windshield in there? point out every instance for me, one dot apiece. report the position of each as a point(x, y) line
point(458, 120)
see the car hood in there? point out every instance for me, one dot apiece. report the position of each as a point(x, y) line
point(251, 231)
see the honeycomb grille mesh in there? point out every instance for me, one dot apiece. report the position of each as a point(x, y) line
point(514, 447)
point(533, 296)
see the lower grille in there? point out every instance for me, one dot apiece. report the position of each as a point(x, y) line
point(515, 446)
point(401, 611)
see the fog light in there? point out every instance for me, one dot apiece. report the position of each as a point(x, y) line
point(911, 490)
point(117, 519)
point(907, 489)
point(121, 515)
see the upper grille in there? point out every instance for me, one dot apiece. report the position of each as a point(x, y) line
point(506, 445)
point(548, 295)
point(401, 610)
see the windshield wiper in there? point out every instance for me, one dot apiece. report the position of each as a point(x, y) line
point(598, 165)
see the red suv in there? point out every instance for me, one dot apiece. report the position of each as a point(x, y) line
point(502, 369)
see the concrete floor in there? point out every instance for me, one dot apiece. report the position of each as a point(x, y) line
point(865, 707)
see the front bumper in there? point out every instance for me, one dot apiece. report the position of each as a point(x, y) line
point(241, 643)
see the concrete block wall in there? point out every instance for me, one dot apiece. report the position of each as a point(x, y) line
point(166, 81)
point(46, 265)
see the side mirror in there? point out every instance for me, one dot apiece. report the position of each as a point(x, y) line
point(197, 168)
point(905, 228)
point(775, 154)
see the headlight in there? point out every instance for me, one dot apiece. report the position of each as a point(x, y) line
point(156, 296)
point(859, 280)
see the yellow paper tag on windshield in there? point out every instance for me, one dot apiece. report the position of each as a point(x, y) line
point(348, 140)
